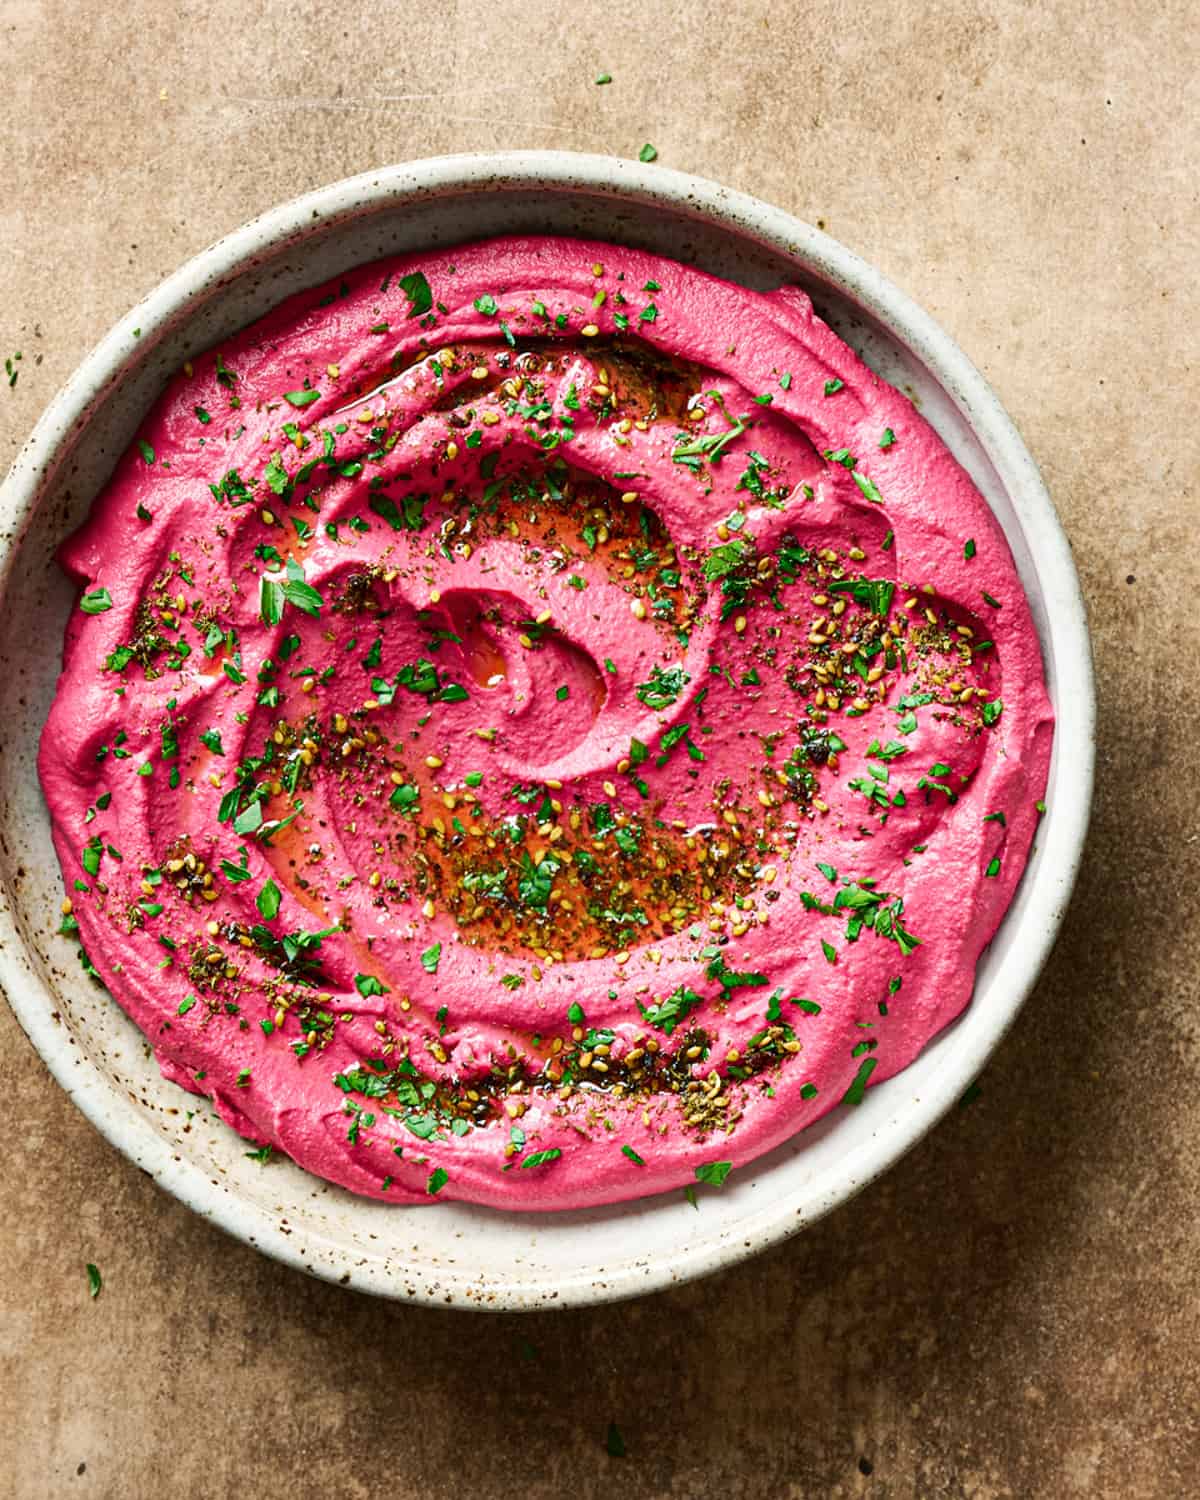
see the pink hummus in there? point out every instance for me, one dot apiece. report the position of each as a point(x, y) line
point(542, 726)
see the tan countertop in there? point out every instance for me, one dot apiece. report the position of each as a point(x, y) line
point(1012, 1312)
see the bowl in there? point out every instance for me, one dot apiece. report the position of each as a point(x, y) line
point(454, 1254)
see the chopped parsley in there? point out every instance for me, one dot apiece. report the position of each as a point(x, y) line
point(96, 602)
point(268, 901)
point(663, 688)
point(867, 487)
point(724, 559)
point(367, 984)
point(714, 1173)
point(416, 288)
point(540, 1158)
point(665, 1015)
point(854, 1094)
point(874, 594)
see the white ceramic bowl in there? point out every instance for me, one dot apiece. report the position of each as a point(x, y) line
point(454, 1254)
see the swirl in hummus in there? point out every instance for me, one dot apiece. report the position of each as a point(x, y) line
point(542, 725)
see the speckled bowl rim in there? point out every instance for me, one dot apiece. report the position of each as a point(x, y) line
point(1062, 836)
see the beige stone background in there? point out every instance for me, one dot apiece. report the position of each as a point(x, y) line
point(1012, 1312)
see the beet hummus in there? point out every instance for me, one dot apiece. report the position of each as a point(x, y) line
point(542, 725)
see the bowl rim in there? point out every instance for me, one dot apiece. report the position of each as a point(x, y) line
point(1065, 631)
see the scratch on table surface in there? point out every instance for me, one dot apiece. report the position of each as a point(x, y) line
point(216, 125)
point(381, 103)
point(368, 99)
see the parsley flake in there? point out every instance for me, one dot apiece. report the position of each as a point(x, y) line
point(539, 1158)
point(714, 1173)
point(96, 602)
point(416, 288)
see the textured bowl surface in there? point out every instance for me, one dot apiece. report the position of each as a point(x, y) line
point(453, 1254)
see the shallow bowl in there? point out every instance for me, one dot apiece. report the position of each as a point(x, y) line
point(456, 1254)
